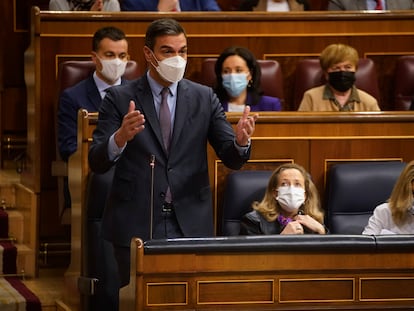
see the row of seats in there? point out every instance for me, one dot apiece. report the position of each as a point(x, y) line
point(353, 190)
point(308, 74)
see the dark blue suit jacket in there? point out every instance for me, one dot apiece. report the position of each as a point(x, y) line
point(186, 5)
point(84, 95)
point(199, 118)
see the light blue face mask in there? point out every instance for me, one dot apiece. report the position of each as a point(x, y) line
point(235, 83)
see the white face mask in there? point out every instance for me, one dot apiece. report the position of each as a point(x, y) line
point(113, 69)
point(290, 198)
point(171, 69)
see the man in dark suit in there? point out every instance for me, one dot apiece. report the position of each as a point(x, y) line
point(359, 5)
point(176, 201)
point(110, 54)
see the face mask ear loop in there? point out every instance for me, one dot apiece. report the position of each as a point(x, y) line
point(153, 54)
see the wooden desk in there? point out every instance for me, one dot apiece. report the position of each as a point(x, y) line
point(309, 272)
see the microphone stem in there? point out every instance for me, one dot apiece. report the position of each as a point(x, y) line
point(152, 165)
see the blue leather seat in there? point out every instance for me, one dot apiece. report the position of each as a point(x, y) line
point(353, 190)
point(242, 189)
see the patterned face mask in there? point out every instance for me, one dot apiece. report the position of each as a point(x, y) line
point(81, 5)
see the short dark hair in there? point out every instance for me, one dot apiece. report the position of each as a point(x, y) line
point(162, 27)
point(112, 33)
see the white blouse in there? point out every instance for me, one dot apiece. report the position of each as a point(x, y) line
point(381, 222)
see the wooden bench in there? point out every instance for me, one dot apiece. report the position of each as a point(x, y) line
point(308, 272)
point(78, 178)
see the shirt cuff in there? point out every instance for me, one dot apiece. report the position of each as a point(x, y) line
point(242, 149)
point(114, 151)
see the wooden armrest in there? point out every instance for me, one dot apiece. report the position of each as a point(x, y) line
point(59, 168)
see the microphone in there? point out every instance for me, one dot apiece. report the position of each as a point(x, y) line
point(152, 166)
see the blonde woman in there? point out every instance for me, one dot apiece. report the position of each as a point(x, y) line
point(290, 205)
point(396, 216)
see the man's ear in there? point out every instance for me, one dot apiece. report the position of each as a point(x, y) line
point(147, 54)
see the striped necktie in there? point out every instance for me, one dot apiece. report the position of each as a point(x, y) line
point(165, 124)
point(165, 119)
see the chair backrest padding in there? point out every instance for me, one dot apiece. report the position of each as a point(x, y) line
point(353, 190)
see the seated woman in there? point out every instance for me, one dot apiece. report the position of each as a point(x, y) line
point(396, 216)
point(290, 205)
point(339, 63)
point(238, 82)
point(84, 5)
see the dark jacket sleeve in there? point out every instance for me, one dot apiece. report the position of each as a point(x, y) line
point(250, 224)
point(67, 125)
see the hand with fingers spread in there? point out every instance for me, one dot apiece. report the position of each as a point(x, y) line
point(245, 127)
point(132, 124)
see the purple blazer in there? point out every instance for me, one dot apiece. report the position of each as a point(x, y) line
point(186, 5)
point(266, 103)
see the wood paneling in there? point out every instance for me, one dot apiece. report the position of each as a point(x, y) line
point(329, 277)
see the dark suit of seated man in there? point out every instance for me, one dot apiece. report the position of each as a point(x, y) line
point(110, 54)
point(169, 5)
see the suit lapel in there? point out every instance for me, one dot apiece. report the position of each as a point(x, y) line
point(93, 94)
point(182, 109)
point(146, 106)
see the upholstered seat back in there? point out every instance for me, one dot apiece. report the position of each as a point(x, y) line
point(404, 83)
point(309, 74)
point(242, 189)
point(271, 80)
point(353, 190)
point(71, 72)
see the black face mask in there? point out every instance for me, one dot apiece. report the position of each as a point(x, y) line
point(342, 80)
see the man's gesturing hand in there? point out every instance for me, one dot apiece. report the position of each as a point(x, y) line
point(132, 124)
point(245, 127)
